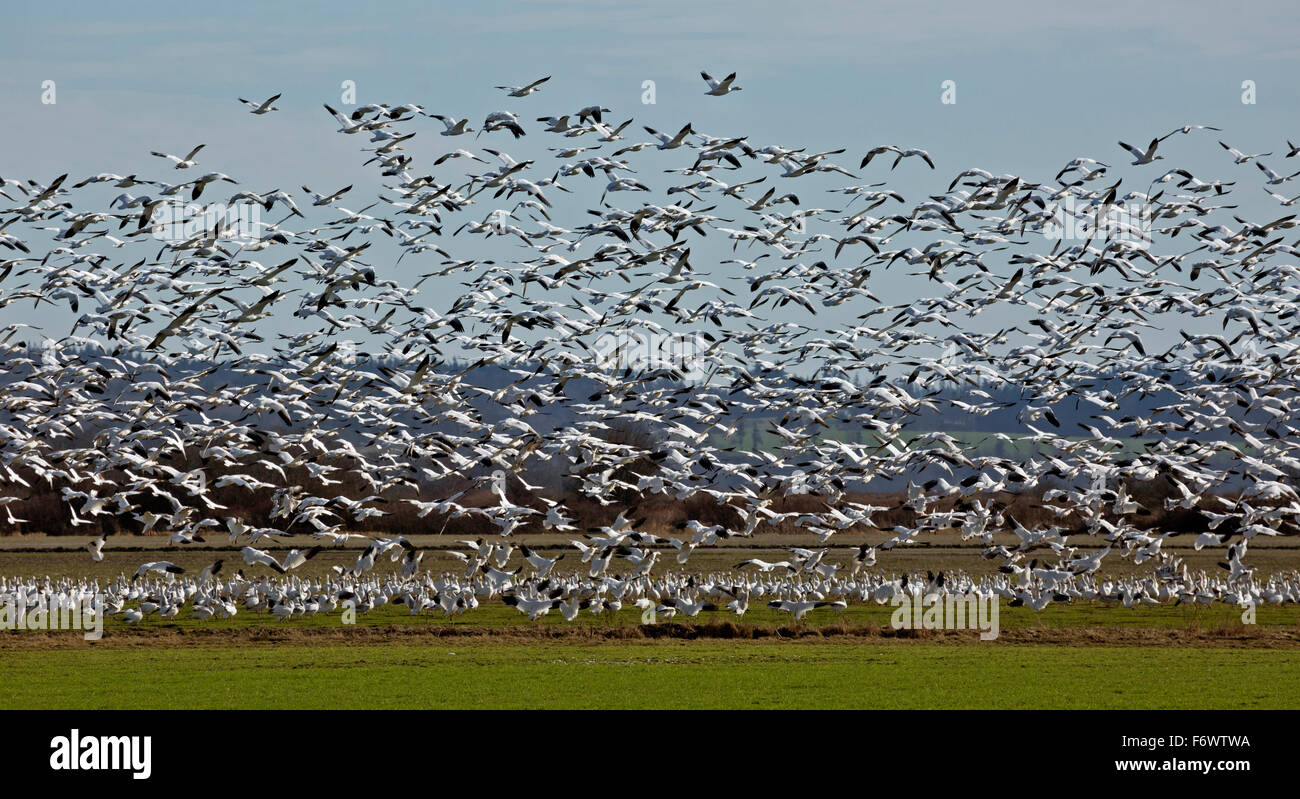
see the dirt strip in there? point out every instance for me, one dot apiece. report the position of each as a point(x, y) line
point(164, 638)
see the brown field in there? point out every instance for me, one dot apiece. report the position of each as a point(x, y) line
point(164, 636)
point(65, 556)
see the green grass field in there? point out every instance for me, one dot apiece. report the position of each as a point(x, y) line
point(494, 614)
point(661, 674)
point(1075, 655)
point(1069, 656)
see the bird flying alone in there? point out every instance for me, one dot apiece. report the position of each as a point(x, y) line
point(717, 88)
point(263, 107)
point(524, 91)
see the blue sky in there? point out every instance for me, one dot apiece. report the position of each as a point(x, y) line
point(1037, 83)
point(1020, 59)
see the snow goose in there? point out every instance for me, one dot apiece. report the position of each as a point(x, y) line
point(181, 163)
point(717, 88)
point(524, 91)
point(263, 107)
point(160, 566)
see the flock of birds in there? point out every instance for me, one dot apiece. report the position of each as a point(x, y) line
point(210, 595)
point(133, 414)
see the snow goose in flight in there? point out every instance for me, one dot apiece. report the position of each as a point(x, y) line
point(608, 134)
point(763, 565)
point(670, 143)
point(623, 184)
point(366, 560)
point(411, 558)
point(690, 608)
point(1274, 179)
point(639, 558)
point(864, 559)
point(181, 163)
point(555, 518)
point(96, 547)
point(210, 571)
point(739, 603)
point(121, 182)
point(253, 556)
point(557, 124)
point(540, 564)
point(184, 537)
point(799, 608)
point(569, 610)
point(592, 112)
point(1186, 129)
point(586, 550)
point(1236, 570)
point(160, 566)
point(1139, 157)
point(296, 558)
point(499, 580)
point(900, 155)
point(458, 154)
point(533, 608)
point(1087, 564)
point(263, 107)
point(524, 91)
point(1087, 165)
point(454, 127)
point(600, 562)
point(502, 120)
point(1238, 157)
point(345, 125)
point(323, 199)
point(1286, 202)
point(662, 612)
point(339, 539)
point(202, 182)
point(717, 88)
